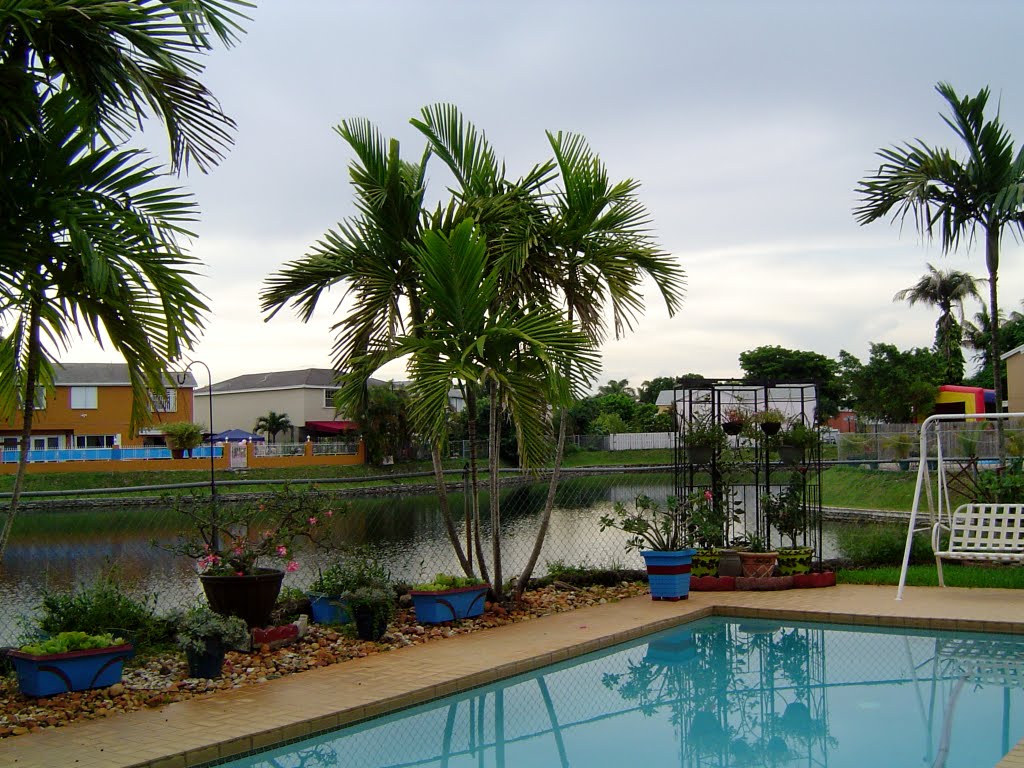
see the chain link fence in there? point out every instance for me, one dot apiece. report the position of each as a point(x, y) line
point(899, 443)
point(60, 548)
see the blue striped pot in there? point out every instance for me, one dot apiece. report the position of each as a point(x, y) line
point(669, 573)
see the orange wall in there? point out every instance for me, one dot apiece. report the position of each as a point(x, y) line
point(110, 417)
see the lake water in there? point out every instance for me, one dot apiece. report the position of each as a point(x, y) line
point(59, 550)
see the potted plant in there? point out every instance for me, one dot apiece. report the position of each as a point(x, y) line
point(668, 554)
point(709, 523)
point(359, 567)
point(855, 445)
point(703, 438)
point(901, 444)
point(69, 661)
point(205, 635)
point(182, 437)
point(770, 421)
point(447, 598)
point(758, 561)
point(733, 421)
point(796, 442)
point(785, 511)
point(372, 608)
point(233, 545)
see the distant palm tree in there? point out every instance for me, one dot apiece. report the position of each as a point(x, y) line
point(620, 387)
point(945, 289)
point(956, 197)
point(272, 423)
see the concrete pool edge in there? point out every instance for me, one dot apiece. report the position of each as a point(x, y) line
point(228, 725)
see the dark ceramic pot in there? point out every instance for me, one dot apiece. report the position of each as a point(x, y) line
point(251, 598)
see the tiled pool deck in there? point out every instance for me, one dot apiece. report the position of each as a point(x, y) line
point(194, 732)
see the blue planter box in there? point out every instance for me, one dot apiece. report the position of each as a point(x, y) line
point(449, 604)
point(669, 573)
point(74, 671)
point(327, 609)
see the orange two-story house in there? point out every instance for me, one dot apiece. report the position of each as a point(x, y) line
point(91, 408)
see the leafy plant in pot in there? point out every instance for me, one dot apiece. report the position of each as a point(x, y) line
point(770, 420)
point(182, 437)
point(797, 443)
point(733, 421)
point(703, 438)
point(757, 560)
point(709, 521)
point(901, 444)
point(358, 567)
point(661, 536)
point(69, 661)
point(372, 609)
point(447, 598)
point(785, 511)
point(232, 542)
point(205, 635)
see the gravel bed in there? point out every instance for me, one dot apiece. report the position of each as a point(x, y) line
point(158, 680)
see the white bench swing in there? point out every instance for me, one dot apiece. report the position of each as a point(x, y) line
point(979, 532)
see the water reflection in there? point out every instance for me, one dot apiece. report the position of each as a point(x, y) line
point(716, 693)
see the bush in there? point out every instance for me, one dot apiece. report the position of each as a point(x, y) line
point(105, 607)
point(359, 568)
point(881, 544)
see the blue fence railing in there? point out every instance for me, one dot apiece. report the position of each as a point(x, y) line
point(103, 454)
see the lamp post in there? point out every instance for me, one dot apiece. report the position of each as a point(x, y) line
point(215, 537)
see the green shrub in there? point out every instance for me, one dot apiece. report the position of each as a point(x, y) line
point(105, 607)
point(443, 581)
point(71, 641)
point(360, 567)
point(881, 544)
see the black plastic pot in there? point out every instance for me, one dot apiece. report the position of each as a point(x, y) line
point(208, 663)
point(251, 598)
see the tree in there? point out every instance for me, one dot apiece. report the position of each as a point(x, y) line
point(650, 390)
point(518, 355)
point(91, 248)
point(385, 423)
point(945, 289)
point(895, 386)
point(89, 240)
point(984, 191)
point(272, 424)
point(777, 365)
point(977, 336)
point(620, 387)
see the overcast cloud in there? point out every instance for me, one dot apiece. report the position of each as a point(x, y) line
point(747, 123)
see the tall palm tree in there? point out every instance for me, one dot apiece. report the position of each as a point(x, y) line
point(119, 61)
point(92, 250)
point(585, 245)
point(984, 191)
point(945, 289)
point(272, 424)
point(518, 354)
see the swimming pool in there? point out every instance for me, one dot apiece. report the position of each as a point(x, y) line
point(716, 692)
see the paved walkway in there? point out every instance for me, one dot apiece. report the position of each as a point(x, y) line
point(194, 732)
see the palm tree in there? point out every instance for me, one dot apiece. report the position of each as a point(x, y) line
point(587, 247)
point(519, 355)
point(272, 424)
point(985, 191)
point(945, 289)
point(117, 61)
point(93, 250)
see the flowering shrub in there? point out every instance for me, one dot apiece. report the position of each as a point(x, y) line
point(233, 539)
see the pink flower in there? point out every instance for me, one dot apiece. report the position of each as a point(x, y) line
point(292, 566)
point(237, 550)
point(239, 573)
point(708, 496)
point(282, 551)
point(329, 513)
point(312, 521)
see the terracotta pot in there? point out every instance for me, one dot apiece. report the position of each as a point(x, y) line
point(758, 564)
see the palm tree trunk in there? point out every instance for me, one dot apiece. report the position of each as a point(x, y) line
point(475, 491)
point(992, 261)
point(446, 514)
point(494, 430)
point(28, 410)
point(545, 518)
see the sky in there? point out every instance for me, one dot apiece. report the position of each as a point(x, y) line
point(748, 125)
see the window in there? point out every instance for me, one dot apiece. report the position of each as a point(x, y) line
point(164, 402)
point(83, 398)
point(95, 441)
point(329, 397)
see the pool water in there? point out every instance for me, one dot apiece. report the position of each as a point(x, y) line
point(716, 692)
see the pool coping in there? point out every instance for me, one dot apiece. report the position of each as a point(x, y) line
point(230, 724)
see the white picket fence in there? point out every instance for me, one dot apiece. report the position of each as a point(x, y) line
point(639, 441)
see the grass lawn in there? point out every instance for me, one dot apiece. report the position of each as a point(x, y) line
point(868, 488)
point(956, 575)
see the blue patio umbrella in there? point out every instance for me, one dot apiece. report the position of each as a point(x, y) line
point(237, 436)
